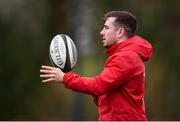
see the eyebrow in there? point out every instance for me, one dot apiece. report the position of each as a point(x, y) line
point(106, 26)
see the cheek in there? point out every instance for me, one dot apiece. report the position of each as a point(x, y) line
point(111, 36)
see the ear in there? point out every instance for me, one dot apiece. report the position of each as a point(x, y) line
point(120, 32)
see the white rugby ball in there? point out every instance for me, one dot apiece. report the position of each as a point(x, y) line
point(63, 52)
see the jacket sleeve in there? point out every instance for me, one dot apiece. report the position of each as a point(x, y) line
point(117, 71)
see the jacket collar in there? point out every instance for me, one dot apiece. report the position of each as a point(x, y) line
point(136, 44)
point(112, 49)
point(118, 46)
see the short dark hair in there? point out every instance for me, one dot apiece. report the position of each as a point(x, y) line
point(125, 19)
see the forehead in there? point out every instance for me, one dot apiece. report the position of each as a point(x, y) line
point(110, 20)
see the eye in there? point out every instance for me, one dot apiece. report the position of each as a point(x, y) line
point(106, 27)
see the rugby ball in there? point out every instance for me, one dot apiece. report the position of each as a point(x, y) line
point(63, 52)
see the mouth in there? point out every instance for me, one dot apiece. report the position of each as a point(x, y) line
point(103, 39)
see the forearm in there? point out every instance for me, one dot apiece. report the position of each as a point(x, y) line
point(95, 86)
point(77, 83)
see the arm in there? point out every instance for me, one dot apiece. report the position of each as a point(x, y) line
point(116, 72)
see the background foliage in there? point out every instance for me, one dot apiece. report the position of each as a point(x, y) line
point(26, 29)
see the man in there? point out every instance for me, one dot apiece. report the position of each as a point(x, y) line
point(119, 89)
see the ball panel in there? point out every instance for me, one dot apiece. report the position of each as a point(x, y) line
point(58, 51)
point(72, 52)
point(67, 66)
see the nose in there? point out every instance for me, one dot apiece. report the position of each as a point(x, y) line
point(102, 32)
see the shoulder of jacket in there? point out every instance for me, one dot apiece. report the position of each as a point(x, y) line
point(122, 56)
point(129, 54)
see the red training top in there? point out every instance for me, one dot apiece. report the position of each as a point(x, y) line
point(120, 88)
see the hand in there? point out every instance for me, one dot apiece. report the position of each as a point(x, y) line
point(51, 74)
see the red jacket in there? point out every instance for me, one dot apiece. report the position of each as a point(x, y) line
point(120, 88)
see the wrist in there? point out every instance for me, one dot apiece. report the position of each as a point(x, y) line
point(61, 79)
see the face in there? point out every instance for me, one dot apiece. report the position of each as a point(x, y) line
point(109, 33)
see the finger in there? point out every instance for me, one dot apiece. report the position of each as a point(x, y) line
point(48, 80)
point(46, 71)
point(47, 67)
point(47, 76)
